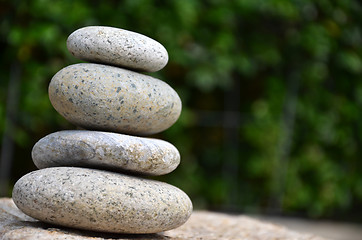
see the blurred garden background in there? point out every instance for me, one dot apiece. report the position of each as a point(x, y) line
point(271, 91)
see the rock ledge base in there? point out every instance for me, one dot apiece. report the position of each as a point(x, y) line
point(202, 225)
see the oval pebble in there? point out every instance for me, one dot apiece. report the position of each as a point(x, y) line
point(106, 150)
point(109, 45)
point(101, 201)
point(106, 98)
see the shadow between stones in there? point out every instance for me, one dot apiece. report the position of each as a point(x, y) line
point(87, 233)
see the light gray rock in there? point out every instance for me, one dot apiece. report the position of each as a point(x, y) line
point(106, 150)
point(109, 45)
point(101, 201)
point(14, 225)
point(106, 98)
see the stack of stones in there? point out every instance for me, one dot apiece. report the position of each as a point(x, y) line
point(90, 178)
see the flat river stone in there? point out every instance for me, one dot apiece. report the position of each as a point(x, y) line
point(106, 150)
point(101, 201)
point(106, 98)
point(109, 45)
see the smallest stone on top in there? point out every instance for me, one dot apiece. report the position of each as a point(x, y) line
point(118, 47)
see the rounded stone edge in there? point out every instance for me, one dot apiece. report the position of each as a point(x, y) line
point(58, 103)
point(149, 64)
point(21, 203)
point(45, 152)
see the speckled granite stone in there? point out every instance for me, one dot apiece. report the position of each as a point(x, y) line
point(101, 201)
point(14, 225)
point(109, 45)
point(106, 98)
point(106, 150)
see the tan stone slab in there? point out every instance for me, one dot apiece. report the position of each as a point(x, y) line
point(201, 225)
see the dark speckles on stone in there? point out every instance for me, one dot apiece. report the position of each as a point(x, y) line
point(116, 96)
point(159, 157)
point(129, 194)
point(116, 201)
point(70, 100)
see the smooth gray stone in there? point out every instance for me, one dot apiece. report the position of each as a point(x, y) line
point(15, 225)
point(114, 46)
point(101, 201)
point(106, 98)
point(106, 150)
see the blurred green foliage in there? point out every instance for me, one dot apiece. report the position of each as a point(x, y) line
point(289, 71)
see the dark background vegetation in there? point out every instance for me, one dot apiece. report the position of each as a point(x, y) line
point(271, 91)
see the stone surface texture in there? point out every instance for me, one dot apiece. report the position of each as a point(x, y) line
point(107, 150)
point(114, 46)
point(101, 201)
point(106, 98)
point(15, 225)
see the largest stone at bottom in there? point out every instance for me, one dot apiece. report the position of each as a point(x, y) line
point(101, 201)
